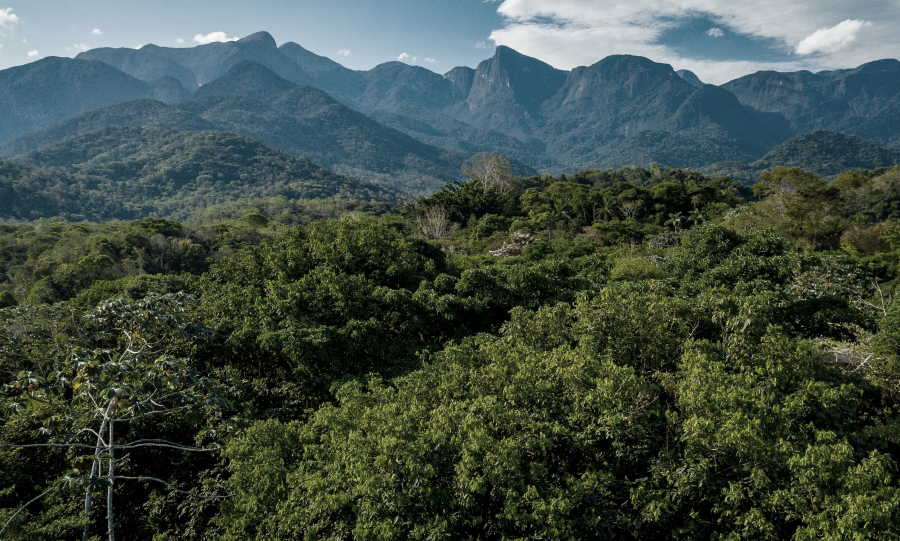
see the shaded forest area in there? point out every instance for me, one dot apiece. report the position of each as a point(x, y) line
point(647, 353)
point(124, 173)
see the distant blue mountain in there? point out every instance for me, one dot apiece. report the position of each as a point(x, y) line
point(622, 110)
point(864, 101)
point(53, 89)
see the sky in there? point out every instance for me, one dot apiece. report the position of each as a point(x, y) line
point(717, 40)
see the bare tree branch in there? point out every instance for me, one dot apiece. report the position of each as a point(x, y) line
point(176, 489)
point(48, 491)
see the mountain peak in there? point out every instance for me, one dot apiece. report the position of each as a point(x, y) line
point(626, 64)
point(260, 37)
point(879, 66)
point(508, 55)
point(503, 50)
point(531, 79)
point(249, 79)
point(690, 77)
point(461, 79)
point(513, 83)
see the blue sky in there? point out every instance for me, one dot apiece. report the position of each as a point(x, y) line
point(716, 41)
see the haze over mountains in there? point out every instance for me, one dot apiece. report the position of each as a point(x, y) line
point(410, 129)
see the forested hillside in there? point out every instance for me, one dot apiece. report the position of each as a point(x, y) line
point(53, 89)
point(127, 173)
point(862, 101)
point(142, 113)
point(633, 353)
point(822, 152)
point(253, 101)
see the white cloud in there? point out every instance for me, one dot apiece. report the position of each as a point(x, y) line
point(179, 40)
point(481, 45)
point(344, 52)
point(138, 46)
point(570, 33)
point(7, 17)
point(715, 32)
point(830, 40)
point(429, 59)
point(403, 57)
point(213, 37)
point(96, 32)
point(81, 46)
point(1, 45)
point(32, 53)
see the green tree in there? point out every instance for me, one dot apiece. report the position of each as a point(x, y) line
point(600, 419)
point(808, 208)
point(83, 401)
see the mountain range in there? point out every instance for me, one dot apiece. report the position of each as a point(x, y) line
point(411, 129)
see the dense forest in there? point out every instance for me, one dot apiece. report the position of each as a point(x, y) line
point(823, 152)
point(634, 353)
point(127, 173)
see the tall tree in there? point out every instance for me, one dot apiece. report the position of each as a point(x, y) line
point(492, 170)
point(95, 391)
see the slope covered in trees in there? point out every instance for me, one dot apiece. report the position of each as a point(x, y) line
point(410, 128)
point(143, 113)
point(306, 121)
point(862, 101)
point(822, 152)
point(253, 101)
point(53, 89)
point(127, 173)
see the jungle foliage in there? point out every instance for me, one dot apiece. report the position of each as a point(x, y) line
point(633, 353)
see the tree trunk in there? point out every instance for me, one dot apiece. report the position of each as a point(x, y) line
point(109, 491)
point(95, 471)
point(87, 501)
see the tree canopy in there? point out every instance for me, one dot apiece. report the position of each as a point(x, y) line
point(639, 353)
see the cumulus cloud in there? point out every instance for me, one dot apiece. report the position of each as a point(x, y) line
point(7, 17)
point(343, 52)
point(213, 37)
point(715, 32)
point(428, 59)
point(32, 53)
point(96, 32)
point(570, 33)
point(81, 46)
point(179, 40)
point(403, 57)
point(830, 40)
